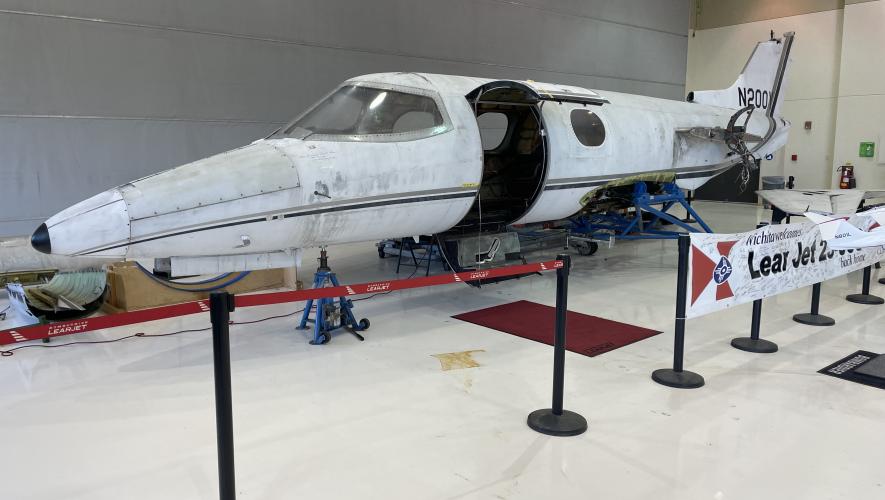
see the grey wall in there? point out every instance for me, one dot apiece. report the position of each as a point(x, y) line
point(94, 93)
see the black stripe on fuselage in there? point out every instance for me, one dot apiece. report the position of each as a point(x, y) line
point(355, 206)
point(359, 206)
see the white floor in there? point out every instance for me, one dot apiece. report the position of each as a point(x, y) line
point(381, 420)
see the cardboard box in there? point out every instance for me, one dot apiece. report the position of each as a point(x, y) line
point(130, 289)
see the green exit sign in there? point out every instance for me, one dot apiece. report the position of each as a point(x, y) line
point(866, 149)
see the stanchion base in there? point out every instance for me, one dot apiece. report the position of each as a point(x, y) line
point(814, 319)
point(567, 424)
point(754, 345)
point(866, 299)
point(680, 380)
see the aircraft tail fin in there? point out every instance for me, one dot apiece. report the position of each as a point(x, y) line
point(761, 83)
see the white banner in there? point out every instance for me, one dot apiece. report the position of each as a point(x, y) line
point(730, 269)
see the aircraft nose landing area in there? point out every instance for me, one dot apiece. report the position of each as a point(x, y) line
point(40, 239)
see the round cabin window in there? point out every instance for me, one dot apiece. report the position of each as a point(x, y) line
point(588, 127)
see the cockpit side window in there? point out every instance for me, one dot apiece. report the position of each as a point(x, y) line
point(357, 112)
point(588, 128)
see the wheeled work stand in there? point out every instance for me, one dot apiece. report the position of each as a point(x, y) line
point(330, 313)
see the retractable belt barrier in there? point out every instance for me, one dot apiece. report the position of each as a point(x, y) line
point(554, 421)
point(762, 272)
point(38, 332)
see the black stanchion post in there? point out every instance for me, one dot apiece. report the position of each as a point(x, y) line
point(814, 318)
point(555, 421)
point(753, 343)
point(688, 199)
point(221, 304)
point(865, 297)
point(677, 377)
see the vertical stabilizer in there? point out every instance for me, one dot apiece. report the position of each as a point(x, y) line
point(760, 84)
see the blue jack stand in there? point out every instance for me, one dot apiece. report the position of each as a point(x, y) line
point(330, 313)
point(618, 226)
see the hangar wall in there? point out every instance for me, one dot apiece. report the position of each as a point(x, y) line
point(837, 81)
point(95, 93)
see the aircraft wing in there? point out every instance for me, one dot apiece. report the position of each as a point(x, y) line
point(832, 201)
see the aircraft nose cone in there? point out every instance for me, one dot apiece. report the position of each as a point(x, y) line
point(40, 239)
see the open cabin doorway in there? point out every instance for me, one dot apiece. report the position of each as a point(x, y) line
point(515, 155)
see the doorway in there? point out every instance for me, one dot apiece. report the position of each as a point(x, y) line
point(515, 155)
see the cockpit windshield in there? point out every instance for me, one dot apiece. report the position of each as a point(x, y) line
point(356, 112)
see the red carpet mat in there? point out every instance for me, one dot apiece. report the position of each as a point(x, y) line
point(587, 335)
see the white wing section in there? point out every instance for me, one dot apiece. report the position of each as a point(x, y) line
point(831, 201)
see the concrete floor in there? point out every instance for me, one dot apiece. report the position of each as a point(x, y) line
point(380, 419)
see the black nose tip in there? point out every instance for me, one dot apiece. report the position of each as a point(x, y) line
point(40, 239)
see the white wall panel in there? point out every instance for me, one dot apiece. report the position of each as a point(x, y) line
point(197, 77)
point(50, 163)
point(861, 115)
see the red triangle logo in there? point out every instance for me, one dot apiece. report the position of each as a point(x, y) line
point(701, 274)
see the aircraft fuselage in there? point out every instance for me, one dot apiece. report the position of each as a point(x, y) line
point(336, 182)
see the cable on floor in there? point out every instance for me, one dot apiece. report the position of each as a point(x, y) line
point(11, 351)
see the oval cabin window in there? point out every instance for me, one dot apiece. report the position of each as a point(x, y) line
point(588, 127)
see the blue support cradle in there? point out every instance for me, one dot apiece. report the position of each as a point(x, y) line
point(613, 225)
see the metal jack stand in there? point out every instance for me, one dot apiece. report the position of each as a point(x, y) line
point(331, 313)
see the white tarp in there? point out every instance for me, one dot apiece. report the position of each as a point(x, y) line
point(730, 269)
point(17, 303)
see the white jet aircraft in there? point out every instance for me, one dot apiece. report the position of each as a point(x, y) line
point(840, 234)
point(402, 154)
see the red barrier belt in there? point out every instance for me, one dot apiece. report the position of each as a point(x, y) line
point(37, 332)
